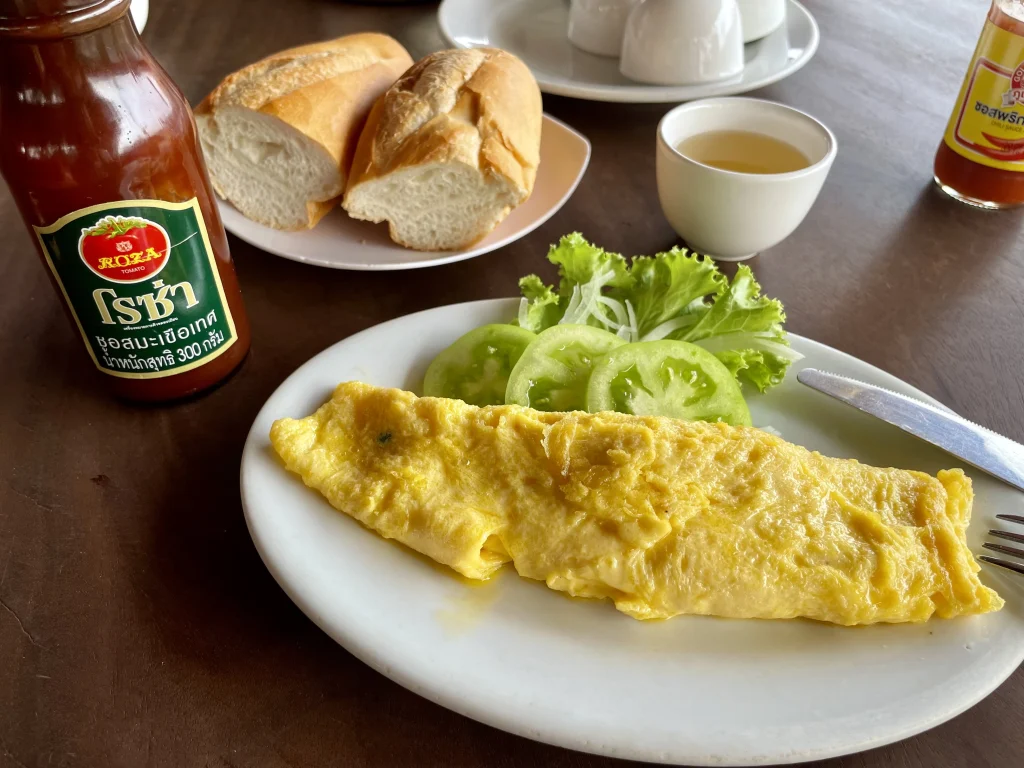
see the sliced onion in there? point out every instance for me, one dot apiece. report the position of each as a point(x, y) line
point(587, 302)
point(634, 331)
point(573, 308)
point(616, 306)
point(659, 332)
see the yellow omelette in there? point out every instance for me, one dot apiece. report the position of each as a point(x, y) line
point(662, 516)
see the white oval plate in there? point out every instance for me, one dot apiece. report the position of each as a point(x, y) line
point(341, 242)
point(536, 32)
point(693, 690)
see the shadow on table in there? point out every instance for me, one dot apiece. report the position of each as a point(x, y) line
point(217, 602)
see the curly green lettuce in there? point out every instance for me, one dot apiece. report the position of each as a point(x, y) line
point(672, 295)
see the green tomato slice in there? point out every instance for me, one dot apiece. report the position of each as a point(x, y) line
point(553, 372)
point(476, 367)
point(666, 378)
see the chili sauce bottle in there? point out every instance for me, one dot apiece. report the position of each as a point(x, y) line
point(981, 158)
point(100, 151)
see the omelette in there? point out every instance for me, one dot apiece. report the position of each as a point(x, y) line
point(664, 517)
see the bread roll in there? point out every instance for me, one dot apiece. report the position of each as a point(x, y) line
point(279, 135)
point(449, 150)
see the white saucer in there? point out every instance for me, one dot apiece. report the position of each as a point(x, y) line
point(341, 242)
point(692, 690)
point(535, 30)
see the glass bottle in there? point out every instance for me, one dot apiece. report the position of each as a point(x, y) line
point(100, 151)
point(981, 158)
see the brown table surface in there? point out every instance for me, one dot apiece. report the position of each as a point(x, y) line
point(138, 626)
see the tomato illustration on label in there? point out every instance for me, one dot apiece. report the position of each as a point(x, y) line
point(124, 249)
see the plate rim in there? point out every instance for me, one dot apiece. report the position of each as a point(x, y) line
point(408, 676)
point(450, 258)
point(140, 14)
point(661, 94)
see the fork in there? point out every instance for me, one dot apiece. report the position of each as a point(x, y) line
point(1002, 548)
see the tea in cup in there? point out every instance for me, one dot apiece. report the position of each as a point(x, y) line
point(738, 175)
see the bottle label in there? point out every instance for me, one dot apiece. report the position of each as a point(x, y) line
point(987, 125)
point(141, 281)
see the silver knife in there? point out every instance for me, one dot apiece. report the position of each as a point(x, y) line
point(982, 448)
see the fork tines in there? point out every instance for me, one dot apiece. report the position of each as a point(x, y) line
point(1003, 549)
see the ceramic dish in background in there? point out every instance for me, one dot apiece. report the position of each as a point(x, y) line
point(671, 43)
point(728, 215)
point(761, 17)
point(597, 26)
point(535, 30)
point(341, 242)
point(691, 690)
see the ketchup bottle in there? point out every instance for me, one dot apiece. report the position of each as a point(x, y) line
point(981, 158)
point(100, 151)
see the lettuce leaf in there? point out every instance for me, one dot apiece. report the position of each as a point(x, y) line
point(669, 286)
point(739, 309)
point(744, 330)
point(580, 262)
point(673, 295)
point(538, 309)
point(758, 359)
point(757, 368)
point(585, 272)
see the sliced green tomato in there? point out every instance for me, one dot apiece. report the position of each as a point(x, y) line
point(666, 378)
point(553, 372)
point(476, 367)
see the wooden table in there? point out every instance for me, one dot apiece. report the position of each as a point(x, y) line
point(138, 626)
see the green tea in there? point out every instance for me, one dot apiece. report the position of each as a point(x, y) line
point(743, 152)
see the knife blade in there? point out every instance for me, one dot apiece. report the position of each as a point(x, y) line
point(982, 448)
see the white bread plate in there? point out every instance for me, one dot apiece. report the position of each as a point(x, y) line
point(341, 242)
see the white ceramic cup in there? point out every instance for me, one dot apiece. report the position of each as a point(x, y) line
point(732, 216)
point(678, 42)
point(761, 17)
point(596, 26)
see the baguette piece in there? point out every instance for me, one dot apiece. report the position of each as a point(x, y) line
point(279, 135)
point(449, 150)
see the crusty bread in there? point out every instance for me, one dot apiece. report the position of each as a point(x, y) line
point(279, 135)
point(449, 150)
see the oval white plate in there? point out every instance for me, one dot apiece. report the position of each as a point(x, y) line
point(692, 690)
point(536, 32)
point(341, 242)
